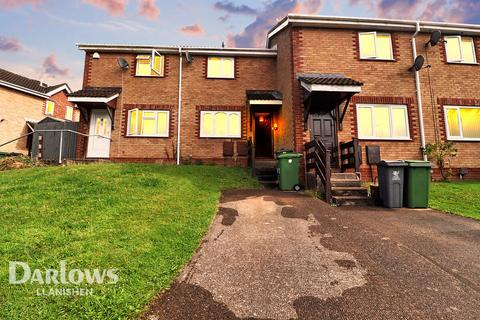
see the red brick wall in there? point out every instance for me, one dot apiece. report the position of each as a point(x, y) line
point(61, 102)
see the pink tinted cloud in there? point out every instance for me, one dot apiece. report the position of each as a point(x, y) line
point(113, 7)
point(193, 30)
point(10, 44)
point(149, 9)
point(51, 68)
point(9, 4)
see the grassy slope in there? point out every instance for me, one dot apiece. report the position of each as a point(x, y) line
point(462, 198)
point(144, 220)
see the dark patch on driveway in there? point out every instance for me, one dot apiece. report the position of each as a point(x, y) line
point(293, 213)
point(348, 264)
point(229, 216)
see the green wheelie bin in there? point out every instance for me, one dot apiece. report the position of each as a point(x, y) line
point(417, 183)
point(288, 167)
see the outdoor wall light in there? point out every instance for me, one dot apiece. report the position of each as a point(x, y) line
point(261, 119)
point(275, 126)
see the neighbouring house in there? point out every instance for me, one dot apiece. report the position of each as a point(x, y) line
point(23, 103)
point(348, 82)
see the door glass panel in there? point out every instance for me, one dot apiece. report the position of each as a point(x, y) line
point(367, 45)
point(234, 125)
point(97, 126)
point(399, 121)
point(452, 120)
point(220, 124)
point(470, 122)
point(382, 122)
point(365, 125)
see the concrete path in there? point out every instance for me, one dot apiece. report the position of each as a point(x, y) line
point(273, 255)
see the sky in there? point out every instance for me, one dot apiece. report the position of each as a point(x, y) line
point(38, 37)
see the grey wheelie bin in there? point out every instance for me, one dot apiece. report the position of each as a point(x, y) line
point(391, 176)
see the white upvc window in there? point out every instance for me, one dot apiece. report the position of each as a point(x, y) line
point(69, 113)
point(382, 122)
point(50, 108)
point(375, 45)
point(152, 65)
point(220, 124)
point(148, 123)
point(460, 49)
point(221, 67)
point(462, 123)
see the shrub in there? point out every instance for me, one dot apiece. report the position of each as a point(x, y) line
point(442, 153)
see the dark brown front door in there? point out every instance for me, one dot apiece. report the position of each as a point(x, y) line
point(263, 137)
point(323, 127)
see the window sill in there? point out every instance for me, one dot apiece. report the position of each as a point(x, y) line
point(463, 140)
point(140, 76)
point(147, 137)
point(215, 78)
point(218, 138)
point(380, 60)
point(464, 63)
point(386, 139)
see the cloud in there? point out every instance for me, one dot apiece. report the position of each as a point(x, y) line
point(51, 68)
point(254, 34)
point(193, 30)
point(10, 44)
point(10, 4)
point(232, 8)
point(113, 7)
point(149, 9)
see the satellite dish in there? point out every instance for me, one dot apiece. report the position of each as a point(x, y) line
point(122, 63)
point(434, 38)
point(418, 65)
point(189, 57)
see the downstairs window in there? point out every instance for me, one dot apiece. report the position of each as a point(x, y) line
point(148, 123)
point(462, 123)
point(220, 124)
point(382, 122)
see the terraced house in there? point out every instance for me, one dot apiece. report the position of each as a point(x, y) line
point(347, 82)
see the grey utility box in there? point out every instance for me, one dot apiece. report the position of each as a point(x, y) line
point(391, 177)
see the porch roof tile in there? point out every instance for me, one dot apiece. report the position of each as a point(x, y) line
point(96, 92)
point(264, 95)
point(328, 79)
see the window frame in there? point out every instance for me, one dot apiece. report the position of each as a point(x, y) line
point(228, 113)
point(151, 59)
point(408, 137)
point(232, 77)
point(66, 113)
point(53, 108)
point(137, 135)
point(375, 33)
point(460, 125)
point(462, 61)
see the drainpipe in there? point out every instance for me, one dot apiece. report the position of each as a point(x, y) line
point(179, 104)
point(419, 92)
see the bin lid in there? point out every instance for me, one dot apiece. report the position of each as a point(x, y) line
point(396, 163)
point(418, 163)
point(289, 156)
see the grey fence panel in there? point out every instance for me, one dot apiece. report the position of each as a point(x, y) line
point(46, 140)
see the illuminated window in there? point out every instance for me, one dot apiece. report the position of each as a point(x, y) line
point(220, 124)
point(69, 113)
point(221, 68)
point(375, 45)
point(460, 49)
point(148, 123)
point(146, 68)
point(382, 122)
point(50, 108)
point(463, 123)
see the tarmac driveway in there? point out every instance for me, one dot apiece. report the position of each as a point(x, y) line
point(273, 255)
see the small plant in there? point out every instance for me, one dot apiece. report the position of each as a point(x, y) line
point(442, 153)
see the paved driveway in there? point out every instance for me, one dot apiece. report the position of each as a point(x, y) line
point(273, 255)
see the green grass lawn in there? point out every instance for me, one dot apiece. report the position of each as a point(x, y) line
point(144, 220)
point(462, 198)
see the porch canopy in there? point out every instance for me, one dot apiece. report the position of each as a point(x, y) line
point(326, 92)
point(96, 98)
point(264, 97)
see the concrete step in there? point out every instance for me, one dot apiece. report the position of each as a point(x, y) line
point(345, 183)
point(345, 176)
point(350, 191)
point(352, 201)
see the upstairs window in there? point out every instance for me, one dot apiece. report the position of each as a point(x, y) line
point(462, 123)
point(148, 123)
point(69, 113)
point(221, 68)
point(374, 45)
point(220, 124)
point(386, 122)
point(50, 108)
point(150, 65)
point(460, 49)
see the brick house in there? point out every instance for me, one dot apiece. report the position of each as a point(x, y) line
point(24, 102)
point(345, 81)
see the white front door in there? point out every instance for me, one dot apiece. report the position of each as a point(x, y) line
point(100, 133)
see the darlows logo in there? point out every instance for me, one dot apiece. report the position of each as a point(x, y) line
point(20, 273)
